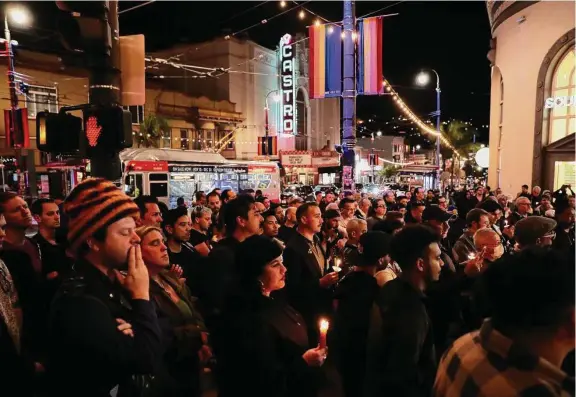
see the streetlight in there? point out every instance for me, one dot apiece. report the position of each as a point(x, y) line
point(18, 15)
point(423, 79)
point(276, 98)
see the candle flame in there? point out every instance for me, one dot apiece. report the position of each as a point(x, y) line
point(324, 325)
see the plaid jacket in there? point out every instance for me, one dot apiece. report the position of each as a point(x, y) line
point(486, 363)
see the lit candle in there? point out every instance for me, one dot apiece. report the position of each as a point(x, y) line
point(324, 325)
point(471, 255)
point(336, 266)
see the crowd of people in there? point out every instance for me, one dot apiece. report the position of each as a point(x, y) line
point(469, 294)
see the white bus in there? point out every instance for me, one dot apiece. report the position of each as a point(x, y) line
point(171, 173)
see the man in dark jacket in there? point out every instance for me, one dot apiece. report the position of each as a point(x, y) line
point(355, 295)
point(401, 354)
point(88, 356)
point(308, 282)
point(56, 265)
point(241, 220)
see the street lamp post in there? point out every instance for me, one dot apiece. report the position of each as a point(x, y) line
point(423, 79)
point(19, 16)
point(276, 98)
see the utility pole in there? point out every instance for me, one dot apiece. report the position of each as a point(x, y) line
point(438, 173)
point(349, 96)
point(104, 90)
point(23, 158)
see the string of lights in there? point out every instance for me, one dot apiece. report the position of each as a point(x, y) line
point(416, 120)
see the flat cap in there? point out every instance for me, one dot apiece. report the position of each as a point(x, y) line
point(528, 230)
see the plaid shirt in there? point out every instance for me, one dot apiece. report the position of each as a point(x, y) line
point(486, 363)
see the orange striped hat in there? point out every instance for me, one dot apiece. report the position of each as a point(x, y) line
point(95, 204)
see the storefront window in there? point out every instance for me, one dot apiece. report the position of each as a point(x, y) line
point(563, 114)
point(564, 174)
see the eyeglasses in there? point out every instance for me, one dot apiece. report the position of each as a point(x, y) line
point(551, 235)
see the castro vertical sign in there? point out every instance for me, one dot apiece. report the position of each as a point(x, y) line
point(287, 85)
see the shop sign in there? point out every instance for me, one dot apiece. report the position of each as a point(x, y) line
point(287, 84)
point(325, 161)
point(325, 153)
point(560, 102)
point(296, 160)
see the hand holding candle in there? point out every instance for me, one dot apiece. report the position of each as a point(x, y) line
point(324, 325)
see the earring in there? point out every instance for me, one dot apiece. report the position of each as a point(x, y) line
point(262, 289)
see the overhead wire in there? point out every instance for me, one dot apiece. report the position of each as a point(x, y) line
point(230, 35)
point(136, 7)
point(245, 11)
point(381, 9)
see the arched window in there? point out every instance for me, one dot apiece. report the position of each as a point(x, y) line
point(301, 122)
point(562, 118)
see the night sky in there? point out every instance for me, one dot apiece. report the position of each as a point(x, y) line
point(451, 37)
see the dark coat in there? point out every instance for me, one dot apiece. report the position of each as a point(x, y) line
point(88, 356)
point(303, 290)
point(401, 355)
point(261, 355)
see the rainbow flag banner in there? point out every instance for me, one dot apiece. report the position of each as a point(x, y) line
point(325, 61)
point(370, 57)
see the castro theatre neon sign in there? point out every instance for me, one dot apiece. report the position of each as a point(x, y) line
point(287, 85)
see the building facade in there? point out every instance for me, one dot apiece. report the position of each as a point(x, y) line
point(386, 149)
point(195, 123)
point(251, 76)
point(533, 94)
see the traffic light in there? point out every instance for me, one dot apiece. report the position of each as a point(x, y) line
point(84, 26)
point(58, 132)
point(372, 159)
point(106, 130)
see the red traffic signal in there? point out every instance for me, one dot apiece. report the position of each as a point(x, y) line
point(106, 129)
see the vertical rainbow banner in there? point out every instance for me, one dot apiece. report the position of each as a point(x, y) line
point(370, 57)
point(325, 61)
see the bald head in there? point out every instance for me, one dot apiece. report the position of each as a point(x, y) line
point(364, 205)
point(355, 228)
point(290, 216)
point(484, 237)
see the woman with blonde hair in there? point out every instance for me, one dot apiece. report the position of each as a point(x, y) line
point(184, 327)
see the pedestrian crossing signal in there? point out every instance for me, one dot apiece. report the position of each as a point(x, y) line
point(106, 130)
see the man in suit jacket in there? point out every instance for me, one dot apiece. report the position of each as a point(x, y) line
point(308, 282)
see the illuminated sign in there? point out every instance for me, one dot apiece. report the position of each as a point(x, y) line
point(287, 85)
point(560, 102)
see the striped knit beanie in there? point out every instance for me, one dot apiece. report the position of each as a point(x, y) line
point(93, 205)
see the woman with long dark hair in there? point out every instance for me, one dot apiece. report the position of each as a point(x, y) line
point(264, 350)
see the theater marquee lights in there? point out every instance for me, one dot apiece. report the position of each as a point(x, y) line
point(287, 84)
